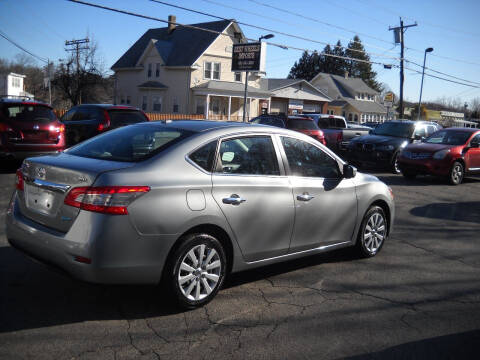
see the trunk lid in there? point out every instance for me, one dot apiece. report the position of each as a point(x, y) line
point(48, 179)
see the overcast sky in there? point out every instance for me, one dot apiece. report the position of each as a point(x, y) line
point(450, 27)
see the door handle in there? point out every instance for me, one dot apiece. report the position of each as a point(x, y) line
point(234, 199)
point(305, 197)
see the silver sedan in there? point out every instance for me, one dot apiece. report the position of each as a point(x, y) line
point(185, 203)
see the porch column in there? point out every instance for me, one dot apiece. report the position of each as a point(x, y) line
point(229, 107)
point(207, 101)
point(269, 104)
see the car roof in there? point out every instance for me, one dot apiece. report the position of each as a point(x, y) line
point(201, 125)
point(11, 101)
point(108, 106)
point(407, 121)
point(464, 129)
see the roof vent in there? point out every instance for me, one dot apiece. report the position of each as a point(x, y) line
point(172, 19)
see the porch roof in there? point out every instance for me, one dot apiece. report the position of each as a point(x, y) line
point(361, 106)
point(227, 88)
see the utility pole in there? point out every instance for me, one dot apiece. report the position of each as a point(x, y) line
point(74, 45)
point(399, 32)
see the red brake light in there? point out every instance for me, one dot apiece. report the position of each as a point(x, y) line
point(19, 180)
point(106, 122)
point(112, 200)
point(5, 128)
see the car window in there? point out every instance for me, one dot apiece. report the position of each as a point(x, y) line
point(475, 139)
point(396, 129)
point(131, 143)
point(68, 115)
point(125, 117)
point(301, 124)
point(254, 155)
point(448, 137)
point(86, 113)
point(431, 129)
point(272, 121)
point(420, 131)
point(323, 123)
point(29, 113)
point(308, 160)
point(339, 123)
point(205, 156)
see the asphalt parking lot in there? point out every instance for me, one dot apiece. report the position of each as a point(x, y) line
point(419, 298)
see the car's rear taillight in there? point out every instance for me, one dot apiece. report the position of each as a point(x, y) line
point(112, 200)
point(19, 180)
point(318, 134)
point(5, 128)
point(105, 124)
point(55, 131)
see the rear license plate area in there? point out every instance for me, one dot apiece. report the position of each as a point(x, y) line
point(40, 200)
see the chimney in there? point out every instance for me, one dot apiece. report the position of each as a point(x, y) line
point(172, 19)
point(346, 74)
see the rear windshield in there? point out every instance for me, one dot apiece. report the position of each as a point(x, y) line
point(268, 121)
point(130, 143)
point(125, 117)
point(29, 113)
point(301, 124)
point(397, 129)
point(448, 137)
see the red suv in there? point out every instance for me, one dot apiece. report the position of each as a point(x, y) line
point(451, 152)
point(29, 128)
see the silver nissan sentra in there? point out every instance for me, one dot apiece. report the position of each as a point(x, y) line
point(185, 203)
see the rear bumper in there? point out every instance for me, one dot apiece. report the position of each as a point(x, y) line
point(119, 255)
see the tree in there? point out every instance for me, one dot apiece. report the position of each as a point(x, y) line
point(303, 68)
point(83, 80)
point(361, 69)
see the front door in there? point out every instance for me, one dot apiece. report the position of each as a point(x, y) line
point(255, 197)
point(325, 203)
point(473, 155)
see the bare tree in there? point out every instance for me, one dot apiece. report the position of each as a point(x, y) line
point(83, 81)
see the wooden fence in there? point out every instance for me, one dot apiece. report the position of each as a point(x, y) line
point(161, 117)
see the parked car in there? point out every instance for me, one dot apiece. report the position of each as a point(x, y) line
point(383, 145)
point(303, 124)
point(210, 198)
point(371, 124)
point(29, 128)
point(87, 120)
point(452, 153)
point(337, 132)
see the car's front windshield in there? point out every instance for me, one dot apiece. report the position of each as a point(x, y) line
point(397, 129)
point(448, 137)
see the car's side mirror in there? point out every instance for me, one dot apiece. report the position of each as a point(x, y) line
point(349, 171)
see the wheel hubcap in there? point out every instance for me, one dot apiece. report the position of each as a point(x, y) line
point(457, 173)
point(374, 233)
point(199, 273)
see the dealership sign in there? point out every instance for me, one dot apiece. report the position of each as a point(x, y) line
point(247, 57)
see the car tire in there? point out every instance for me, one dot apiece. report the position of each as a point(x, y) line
point(410, 175)
point(195, 271)
point(394, 164)
point(372, 233)
point(457, 172)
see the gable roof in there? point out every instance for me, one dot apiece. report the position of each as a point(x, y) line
point(271, 84)
point(182, 47)
point(340, 85)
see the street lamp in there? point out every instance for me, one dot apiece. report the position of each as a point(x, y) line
point(427, 50)
point(268, 36)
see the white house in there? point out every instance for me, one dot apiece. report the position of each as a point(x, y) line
point(12, 85)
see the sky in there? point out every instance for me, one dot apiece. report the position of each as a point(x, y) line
point(450, 27)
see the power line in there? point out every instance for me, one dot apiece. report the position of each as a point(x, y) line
point(442, 73)
point(442, 78)
point(273, 31)
point(5, 36)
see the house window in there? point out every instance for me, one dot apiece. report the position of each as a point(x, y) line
point(144, 102)
point(157, 70)
point(211, 70)
point(128, 99)
point(200, 109)
point(175, 105)
point(215, 106)
point(238, 76)
point(157, 103)
point(149, 74)
point(122, 99)
point(15, 82)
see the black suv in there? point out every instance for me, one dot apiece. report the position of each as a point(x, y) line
point(383, 144)
point(87, 120)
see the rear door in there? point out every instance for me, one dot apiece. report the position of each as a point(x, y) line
point(325, 203)
point(255, 196)
point(82, 124)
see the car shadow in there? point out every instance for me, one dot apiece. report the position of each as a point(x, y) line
point(458, 211)
point(33, 296)
point(455, 346)
point(9, 166)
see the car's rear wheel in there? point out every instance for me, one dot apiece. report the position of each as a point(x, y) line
point(373, 232)
point(196, 270)
point(457, 172)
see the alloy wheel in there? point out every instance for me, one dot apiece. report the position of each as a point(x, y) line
point(457, 173)
point(374, 233)
point(199, 272)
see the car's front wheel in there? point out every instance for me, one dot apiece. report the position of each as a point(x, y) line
point(394, 167)
point(373, 232)
point(196, 270)
point(456, 173)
